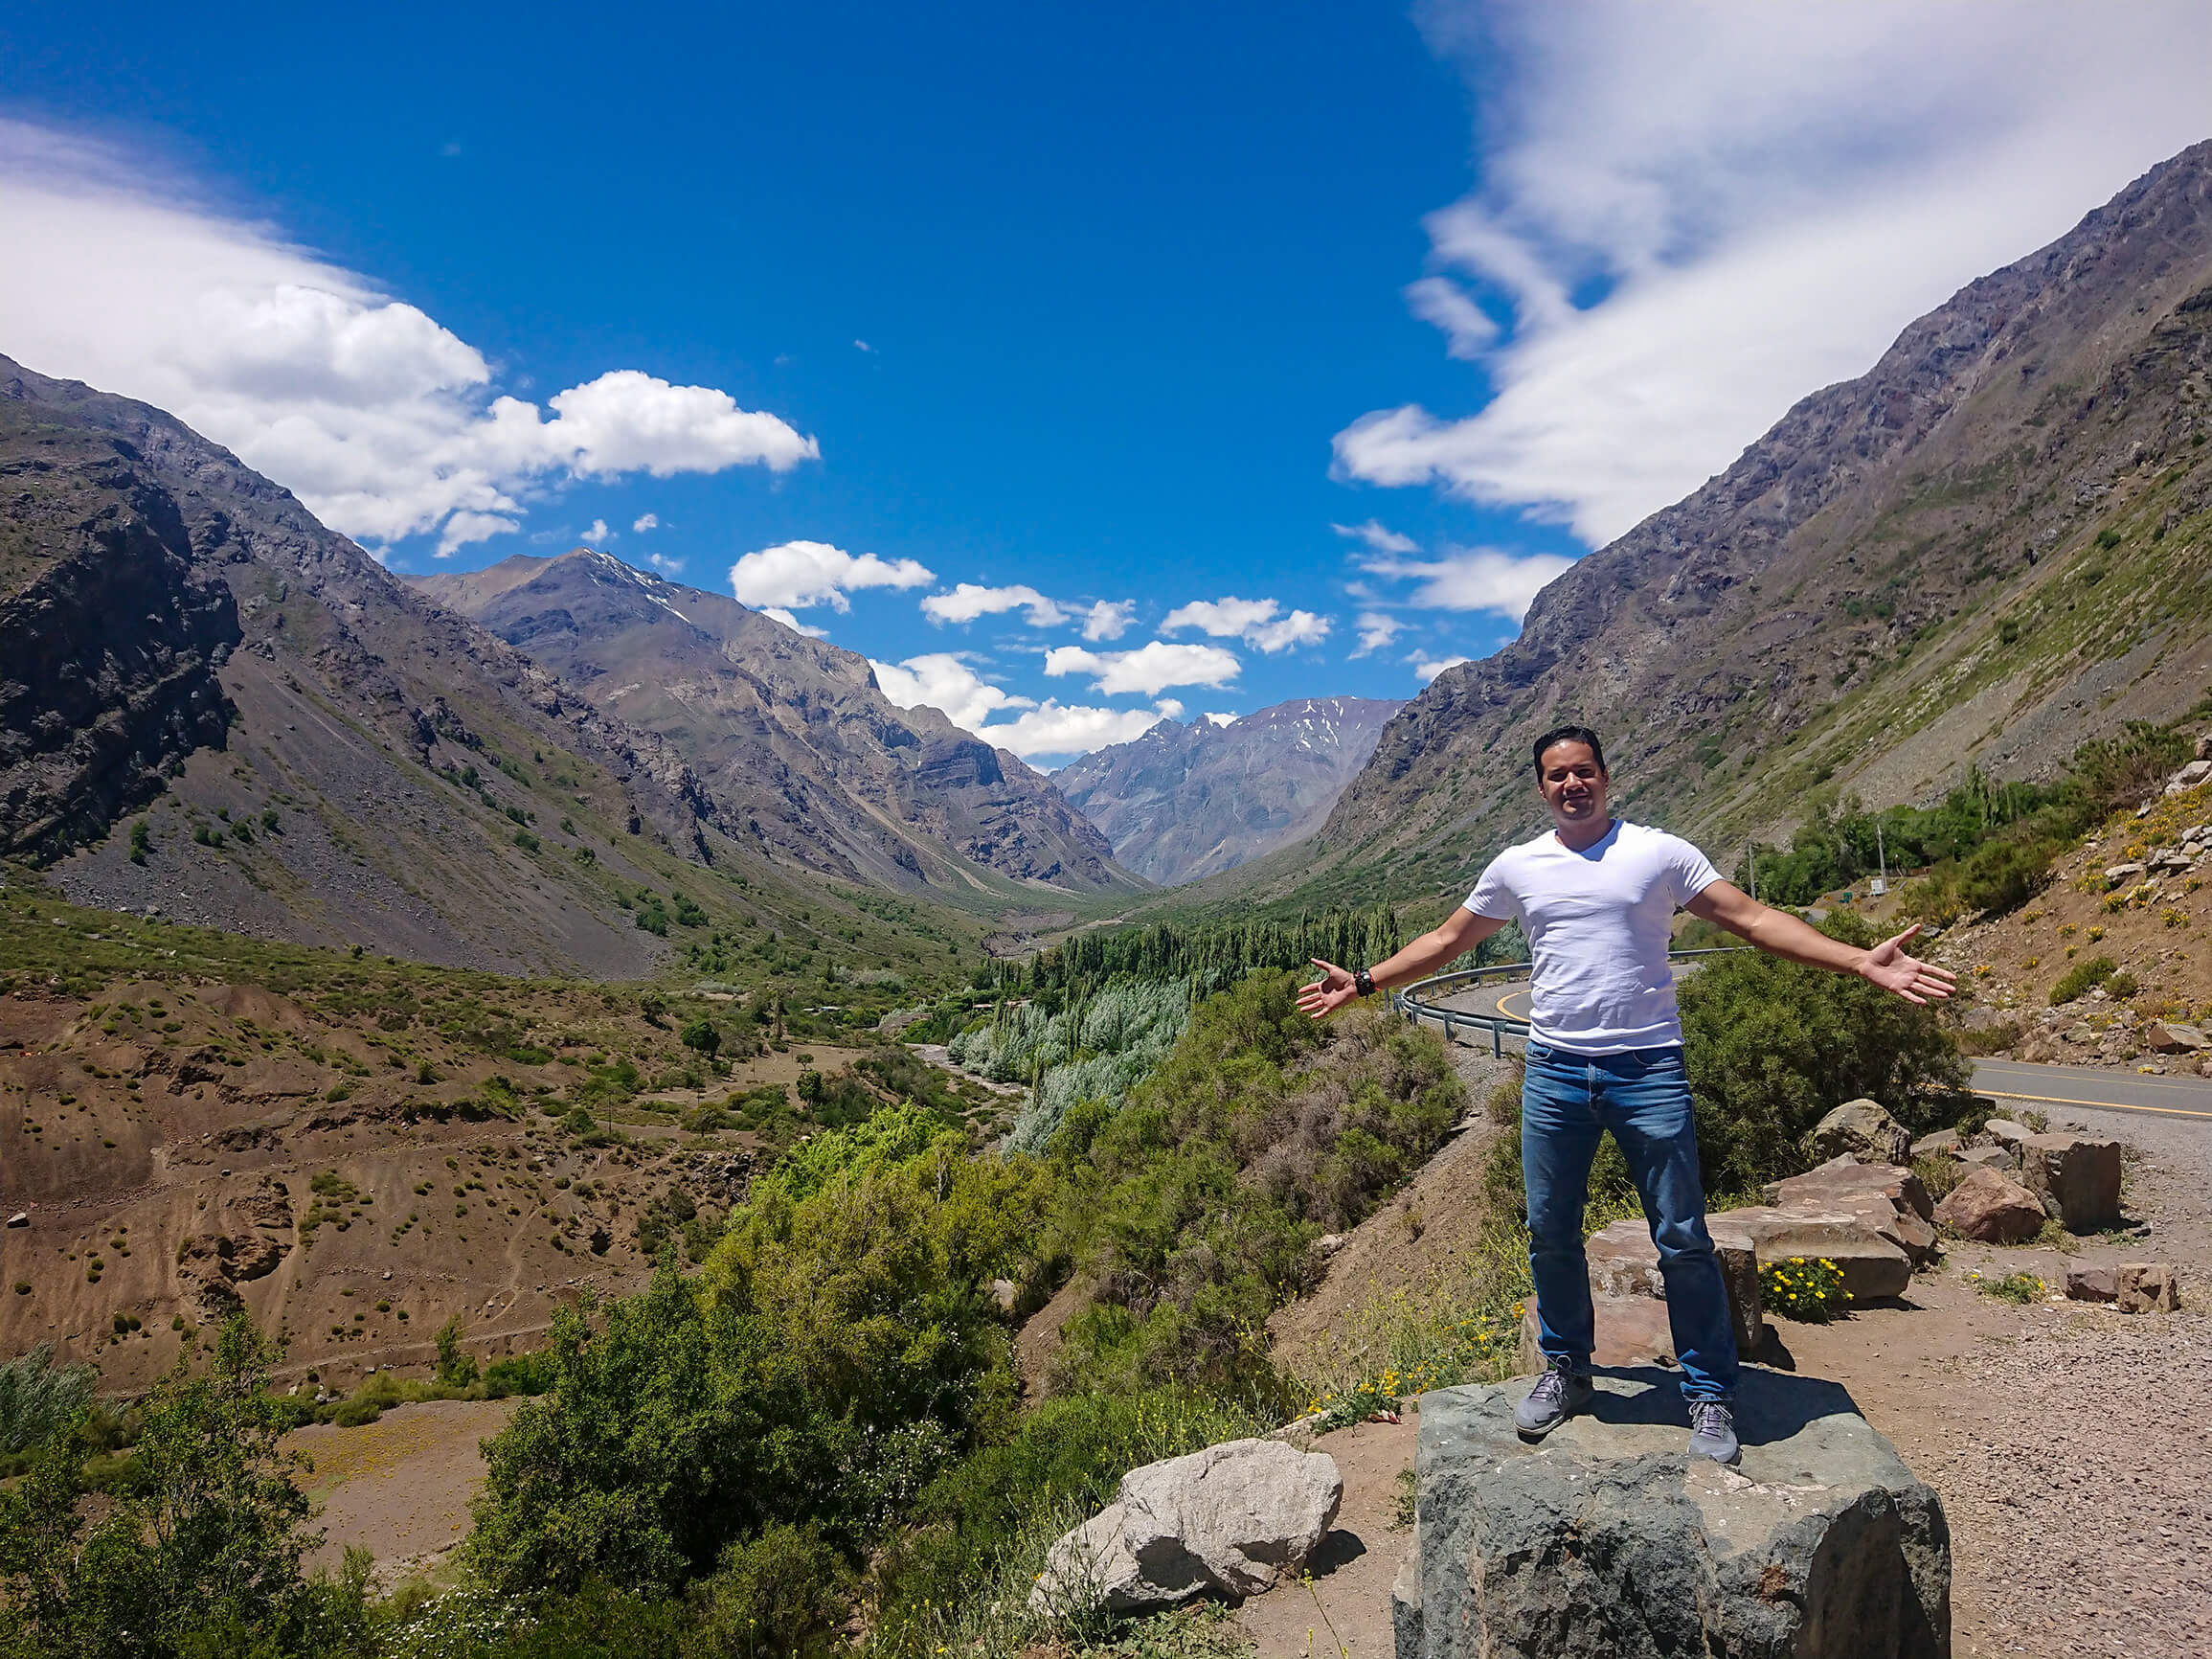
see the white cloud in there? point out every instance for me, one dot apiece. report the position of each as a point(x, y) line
point(1442, 302)
point(1056, 730)
point(1760, 196)
point(660, 561)
point(381, 421)
point(862, 345)
point(596, 531)
point(645, 521)
point(1378, 538)
point(1148, 671)
point(968, 602)
point(1427, 668)
point(1377, 629)
point(1474, 578)
point(1109, 619)
point(1253, 620)
point(796, 574)
point(942, 681)
point(792, 623)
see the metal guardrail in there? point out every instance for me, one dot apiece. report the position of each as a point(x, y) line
point(1410, 1002)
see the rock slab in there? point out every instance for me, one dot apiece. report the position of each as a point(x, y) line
point(1890, 1199)
point(1608, 1541)
point(2076, 1179)
point(1233, 1517)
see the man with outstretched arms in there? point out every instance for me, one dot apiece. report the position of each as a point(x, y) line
point(1596, 897)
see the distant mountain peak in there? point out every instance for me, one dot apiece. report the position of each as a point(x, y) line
point(1181, 802)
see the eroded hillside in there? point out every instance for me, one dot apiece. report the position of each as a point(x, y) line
point(357, 1151)
point(1993, 545)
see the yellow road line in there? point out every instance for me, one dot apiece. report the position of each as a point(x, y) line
point(2100, 1105)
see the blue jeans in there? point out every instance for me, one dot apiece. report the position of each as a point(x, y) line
point(1643, 1097)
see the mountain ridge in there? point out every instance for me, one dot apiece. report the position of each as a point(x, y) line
point(1987, 548)
point(315, 752)
point(793, 736)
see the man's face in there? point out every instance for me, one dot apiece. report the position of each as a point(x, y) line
point(1572, 783)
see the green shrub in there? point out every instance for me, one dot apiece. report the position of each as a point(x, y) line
point(1772, 1046)
point(2082, 978)
point(40, 1398)
point(2121, 986)
point(1195, 1204)
point(840, 1345)
point(196, 1553)
point(456, 1365)
point(782, 1591)
point(1806, 1288)
point(2019, 1288)
point(526, 1374)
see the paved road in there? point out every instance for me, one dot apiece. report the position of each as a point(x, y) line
point(2037, 1085)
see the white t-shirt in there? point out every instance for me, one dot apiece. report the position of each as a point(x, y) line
point(1598, 922)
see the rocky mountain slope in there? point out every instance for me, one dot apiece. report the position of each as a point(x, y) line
point(1991, 546)
point(791, 735)
point(1188, 800)
point(313, 750)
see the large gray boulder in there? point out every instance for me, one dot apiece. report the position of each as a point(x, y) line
point(1862, 1128)
point(1608, 1542)
point(1233, 1517)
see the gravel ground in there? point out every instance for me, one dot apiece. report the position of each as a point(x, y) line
point(2080, 1493)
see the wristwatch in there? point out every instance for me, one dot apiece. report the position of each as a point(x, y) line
point(1364, 983)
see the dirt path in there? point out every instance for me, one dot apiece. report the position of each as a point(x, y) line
point(1347, 1604)
point(398, 1487)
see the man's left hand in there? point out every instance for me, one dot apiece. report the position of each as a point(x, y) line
point(1888, 967)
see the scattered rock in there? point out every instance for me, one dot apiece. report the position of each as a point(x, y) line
point(2189, 777)
point(1989, 1158)
point(1992, 1208)
point(1943, 1144)
point(1004, 1292)
point(2149, 1288)
point(2006, 1134)
point(2077, 1180)
point(2093, 1284)
point(20, 1218)
point(1609, 1540)
point(2121, 875)
point(1329, 1243)
point(2172, 1037)
point(1860, 1128)
point(1233, 1517)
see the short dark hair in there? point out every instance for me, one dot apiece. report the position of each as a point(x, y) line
point(1569, 735)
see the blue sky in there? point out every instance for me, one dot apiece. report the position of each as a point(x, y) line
point(1366, 319)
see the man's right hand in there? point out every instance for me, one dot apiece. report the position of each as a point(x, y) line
point(1329, 992)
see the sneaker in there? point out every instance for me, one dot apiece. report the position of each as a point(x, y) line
point(1713, 1431)
point(1558, 1393)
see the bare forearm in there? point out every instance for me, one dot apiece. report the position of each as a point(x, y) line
point(1780, 934)
point(1423, 957)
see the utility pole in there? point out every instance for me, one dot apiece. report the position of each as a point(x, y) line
point(1881, 859)
point(1752, 864)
